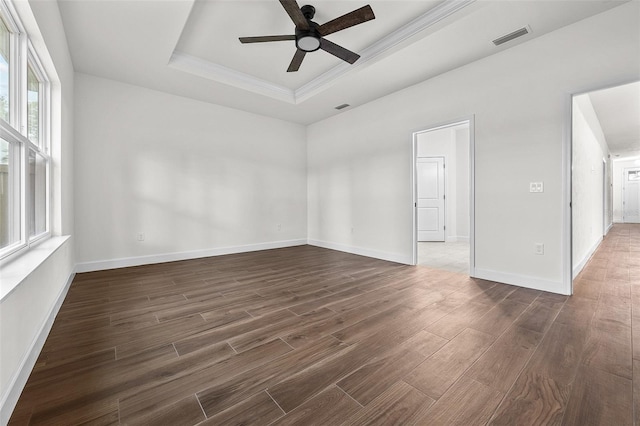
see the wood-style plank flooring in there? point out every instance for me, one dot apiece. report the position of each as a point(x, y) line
point(311, 336)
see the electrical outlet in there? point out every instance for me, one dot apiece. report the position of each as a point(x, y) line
point(538, 248)
point(140, 236)
point(279, 227)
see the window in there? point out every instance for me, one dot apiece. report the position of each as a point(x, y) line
point(9, 198)
point(37, 193)
point(5, 46)
point(33, 106)
point(24, 139)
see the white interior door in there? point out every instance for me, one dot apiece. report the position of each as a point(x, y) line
point(431, 198)
point(631, 195)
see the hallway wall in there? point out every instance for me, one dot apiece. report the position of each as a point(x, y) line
point(589, 150)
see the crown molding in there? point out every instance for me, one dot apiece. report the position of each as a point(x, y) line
point(212, 71)
point(216, 72)
point(421, 23)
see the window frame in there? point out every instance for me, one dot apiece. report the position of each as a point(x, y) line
point(23, 56)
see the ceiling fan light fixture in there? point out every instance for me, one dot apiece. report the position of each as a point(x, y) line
point(308, 43)
point(308, 40)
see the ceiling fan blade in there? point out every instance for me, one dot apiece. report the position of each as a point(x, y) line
point(296, 61)
point(292, 8)
point(338, 51)
point(262, 39)
point(350, 19)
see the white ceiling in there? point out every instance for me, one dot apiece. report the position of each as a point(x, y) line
point(190, 48)
point(618, 110)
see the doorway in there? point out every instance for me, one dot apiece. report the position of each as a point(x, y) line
point(605, 137)
point(631, 195)
point(443, 196)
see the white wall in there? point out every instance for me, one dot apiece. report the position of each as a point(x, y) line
point(26, 317)
point(193, 177)
point(27, 313)
point(360, 161)
point(618, 169)
point(589, 151)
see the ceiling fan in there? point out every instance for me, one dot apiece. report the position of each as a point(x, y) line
point(309, 36)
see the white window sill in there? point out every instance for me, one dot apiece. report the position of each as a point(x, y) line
point(14, 271)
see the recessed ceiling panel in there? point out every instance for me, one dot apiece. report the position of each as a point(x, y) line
point(212, 30)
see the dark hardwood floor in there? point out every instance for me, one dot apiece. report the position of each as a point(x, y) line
point(311, 336)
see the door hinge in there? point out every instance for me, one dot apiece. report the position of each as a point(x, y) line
point(444, 228)
point(444, 197)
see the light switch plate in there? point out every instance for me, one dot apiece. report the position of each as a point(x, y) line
point(536, 187)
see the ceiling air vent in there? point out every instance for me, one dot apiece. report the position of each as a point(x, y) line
point(343, 106)
point(517, 33)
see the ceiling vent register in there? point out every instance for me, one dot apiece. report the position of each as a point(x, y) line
point(511, 36)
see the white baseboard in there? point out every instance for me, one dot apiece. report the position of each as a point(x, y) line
point(20, 377)
point(391, 257)
point(521, 281)
point(124, 262)
point(606, 231)
point(580, 266)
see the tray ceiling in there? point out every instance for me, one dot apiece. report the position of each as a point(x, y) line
point(191, 48)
